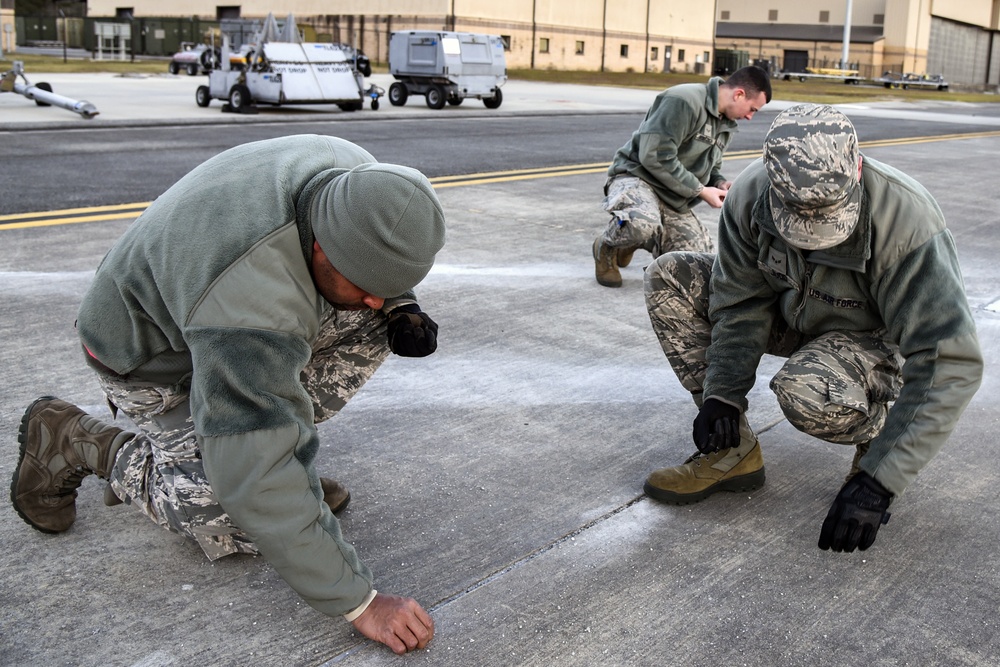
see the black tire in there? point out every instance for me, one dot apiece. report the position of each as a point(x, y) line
point(398, 94)
point(352, 106)
point(364, 65)
point(455, 101)
point(435, 96)
point(173, 67)
point(888, 84)
point(47, 88)
point(239, 97)
point(802, 78)
point(202, 96)
point(209, 59)
point(191, 69)
point(495, 101)
point(374, 104)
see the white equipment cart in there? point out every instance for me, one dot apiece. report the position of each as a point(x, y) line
point(289, 72)
point(446, 67)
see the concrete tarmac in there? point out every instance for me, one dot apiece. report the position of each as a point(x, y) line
point(499, 481)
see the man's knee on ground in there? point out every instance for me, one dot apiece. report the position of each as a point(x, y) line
point(815, 407)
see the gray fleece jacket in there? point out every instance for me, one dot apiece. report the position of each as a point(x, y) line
point(897, 273)
point(211, 286)
point(678, 147)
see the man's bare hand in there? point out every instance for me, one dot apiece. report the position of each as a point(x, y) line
point(399, 623)
point(712, 196)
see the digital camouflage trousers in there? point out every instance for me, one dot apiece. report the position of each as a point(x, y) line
point(160, 471)
point(640, 219)
point(836, 386)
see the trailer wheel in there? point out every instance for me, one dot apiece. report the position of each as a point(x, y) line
point(239, 97)
point(398, 94)
point(202, 96)
point(435, 97)
point(802, 78)
point(47, 88)
point(191, 69)
point(455, 101)
point(173, 67)
point(210, 58)
point(495, 101)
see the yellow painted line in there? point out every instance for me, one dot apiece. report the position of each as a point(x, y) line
point(103, 217)
point(123, 211)
point(69, 211)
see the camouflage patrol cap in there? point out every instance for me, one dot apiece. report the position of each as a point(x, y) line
point(811, 156)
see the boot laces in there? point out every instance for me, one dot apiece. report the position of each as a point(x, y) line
point(70, 479)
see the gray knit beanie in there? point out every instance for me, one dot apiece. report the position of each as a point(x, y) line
point(380, 225)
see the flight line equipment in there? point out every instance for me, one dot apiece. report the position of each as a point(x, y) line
point(282, 69)
point(42, 93)
point(446, 67)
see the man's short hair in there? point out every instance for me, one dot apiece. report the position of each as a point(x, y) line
point(752, 79)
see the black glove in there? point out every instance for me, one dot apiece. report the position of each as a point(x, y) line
point(411, 332)
point(856, 514)
point(716, 427)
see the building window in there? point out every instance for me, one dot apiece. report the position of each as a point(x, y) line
point(227, 12)
point(680, 55)
point(824, 16)
point(124, 12)
point(579, 47)
point(879, 19)
point(654, 53)
point(543, 45)
point(724, 15)
point(506, 42)
point(706, 56)
point(772, 15)
point(623, 51)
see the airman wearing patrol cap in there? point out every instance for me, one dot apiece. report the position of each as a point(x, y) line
point(844, 266)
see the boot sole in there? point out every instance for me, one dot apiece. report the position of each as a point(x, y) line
point(749, 482)
point(22, 438)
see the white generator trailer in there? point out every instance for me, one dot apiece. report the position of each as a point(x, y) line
point(446, 67)
point(289, 72)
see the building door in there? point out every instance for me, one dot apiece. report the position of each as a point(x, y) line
point(795, 61)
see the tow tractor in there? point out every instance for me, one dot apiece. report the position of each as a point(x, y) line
point(282, 69)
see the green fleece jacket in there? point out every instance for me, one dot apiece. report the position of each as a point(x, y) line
point(897, 274)
point(211, 285)
point(679, 145)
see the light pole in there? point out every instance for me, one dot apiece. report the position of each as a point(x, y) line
point(845, 53)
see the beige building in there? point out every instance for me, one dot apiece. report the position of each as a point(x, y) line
point(957, 38)
point(8, 38)
point(609, 35)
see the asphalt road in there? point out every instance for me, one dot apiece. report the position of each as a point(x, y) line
point(87, 165)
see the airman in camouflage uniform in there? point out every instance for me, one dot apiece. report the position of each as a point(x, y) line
point(844, 266)
point(671, 162)
point(248, 303)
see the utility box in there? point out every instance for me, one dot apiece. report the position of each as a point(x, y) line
point(446, 67)
point(728, 61)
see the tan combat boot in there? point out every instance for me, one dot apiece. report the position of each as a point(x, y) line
point(60, 445)
point(335, 494)
point(605, 266)
point(624, 255)
point(738, 469)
